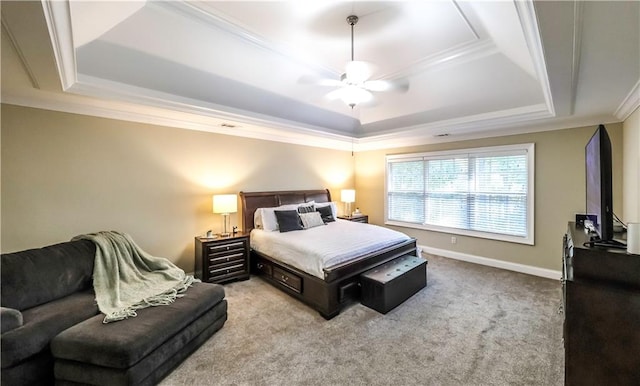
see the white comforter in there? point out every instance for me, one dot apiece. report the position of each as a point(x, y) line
point(313, 249)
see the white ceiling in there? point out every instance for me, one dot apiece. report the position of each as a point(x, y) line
point(476, 68)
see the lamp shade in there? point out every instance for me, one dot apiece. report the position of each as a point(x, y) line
point(348, 195)
point(225, 203)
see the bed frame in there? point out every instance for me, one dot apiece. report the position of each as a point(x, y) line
point(341, 282)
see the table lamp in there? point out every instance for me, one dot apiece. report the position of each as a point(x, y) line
point(348, 196)
point(225, 204)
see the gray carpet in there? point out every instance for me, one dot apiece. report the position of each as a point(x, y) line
point(472, 325)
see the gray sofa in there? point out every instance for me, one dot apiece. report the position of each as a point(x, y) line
point(50, 320)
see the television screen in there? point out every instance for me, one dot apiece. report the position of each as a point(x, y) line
point(599, 183)
point(594, 196)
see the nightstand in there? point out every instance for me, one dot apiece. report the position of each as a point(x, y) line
point(362, 218)
point(222, 259)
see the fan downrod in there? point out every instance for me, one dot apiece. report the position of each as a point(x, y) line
point(352, 20)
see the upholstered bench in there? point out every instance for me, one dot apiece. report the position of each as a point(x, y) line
point(388, 285)
point(139, 350)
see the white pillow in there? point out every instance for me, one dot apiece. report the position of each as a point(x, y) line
point(311, 219)
point(334, 208)
point(265, 218)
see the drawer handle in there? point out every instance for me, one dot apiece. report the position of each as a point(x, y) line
point(284, 278)
point(260, 265)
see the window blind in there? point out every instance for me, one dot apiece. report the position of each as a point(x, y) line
point(483, 191)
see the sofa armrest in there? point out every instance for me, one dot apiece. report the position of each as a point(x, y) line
point(10, 319)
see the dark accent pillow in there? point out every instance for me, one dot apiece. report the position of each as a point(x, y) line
point(306, 209)
point(288, 220)
point(326, 213)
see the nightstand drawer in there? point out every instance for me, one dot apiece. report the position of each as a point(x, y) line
point(224, 270)
point(222, 259)
point(287, 279)
point(226, 248)
point(225, 264)
point(232, 257)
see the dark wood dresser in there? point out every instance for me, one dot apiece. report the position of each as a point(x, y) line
point(222, 259)
point(601, 301)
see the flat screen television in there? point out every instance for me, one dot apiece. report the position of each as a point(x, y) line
point(599, 177)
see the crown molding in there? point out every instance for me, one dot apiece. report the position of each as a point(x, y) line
point(225, 123)
point(106, 89)
point(531, 119)
point(473, 49)
point(462, 53)
point(453, 129)
point(135, 104)
point(418, 138)
point(23, 60)
point(630, 103)
point(578, 16)
point(58, 17)
point(464, 17)
point(529, 21)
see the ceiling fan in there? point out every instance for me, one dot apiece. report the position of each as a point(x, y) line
point(355, 86)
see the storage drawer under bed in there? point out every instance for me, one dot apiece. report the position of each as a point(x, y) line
point(279, 275)
point(287, 279)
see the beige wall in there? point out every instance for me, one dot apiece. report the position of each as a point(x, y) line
point(65, 174)
point(631, 160)
point(559, 193)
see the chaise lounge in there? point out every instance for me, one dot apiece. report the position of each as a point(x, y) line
point(50, 320)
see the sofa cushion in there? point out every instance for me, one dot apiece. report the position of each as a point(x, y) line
point(37, 276)
point(42, 323)
point(152, 368)
point(10, 319)
point(124, 343)
point(37, 371)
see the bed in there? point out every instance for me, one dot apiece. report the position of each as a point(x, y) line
point(338, 283)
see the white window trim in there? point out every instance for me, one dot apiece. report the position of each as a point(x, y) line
point(528, 147)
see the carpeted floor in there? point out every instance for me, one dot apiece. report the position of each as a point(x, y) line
point(471, 325)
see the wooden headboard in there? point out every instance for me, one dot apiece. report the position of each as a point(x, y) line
point(254, 200)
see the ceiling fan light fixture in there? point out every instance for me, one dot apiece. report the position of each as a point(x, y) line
point(354, 95)
point(354, 85)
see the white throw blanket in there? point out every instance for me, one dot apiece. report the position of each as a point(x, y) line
point(126, 278)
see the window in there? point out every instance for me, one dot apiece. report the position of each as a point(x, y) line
point(484, 192)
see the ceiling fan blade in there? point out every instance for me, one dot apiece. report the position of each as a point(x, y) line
point(398, 85)
point(314, 80)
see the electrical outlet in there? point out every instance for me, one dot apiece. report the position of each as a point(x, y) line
point(454, 239)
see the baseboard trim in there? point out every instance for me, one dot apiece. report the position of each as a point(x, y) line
point(522, 268)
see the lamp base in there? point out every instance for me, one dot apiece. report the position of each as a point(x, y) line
point(227, 234)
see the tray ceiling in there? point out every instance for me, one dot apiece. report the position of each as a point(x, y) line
point(474, 68)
